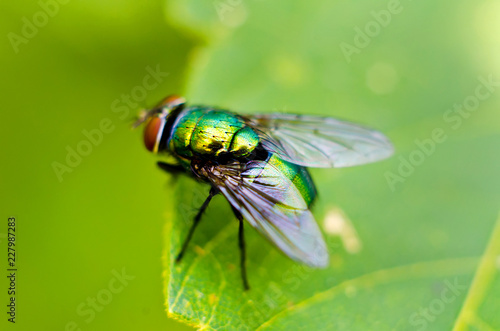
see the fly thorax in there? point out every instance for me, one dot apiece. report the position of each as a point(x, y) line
point(214, 133)
point(182, 131)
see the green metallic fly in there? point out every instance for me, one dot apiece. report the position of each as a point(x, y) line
point(258, 162)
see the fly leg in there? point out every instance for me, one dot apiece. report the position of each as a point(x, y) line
point(170, 168)
point(173, 169)
point(197, 218)
point(241, 242)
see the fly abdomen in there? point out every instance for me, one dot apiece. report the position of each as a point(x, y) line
point(298, 175)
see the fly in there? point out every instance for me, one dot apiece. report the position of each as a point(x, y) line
point(259, 164)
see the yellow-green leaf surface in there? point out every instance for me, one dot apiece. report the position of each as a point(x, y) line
point(409, 236)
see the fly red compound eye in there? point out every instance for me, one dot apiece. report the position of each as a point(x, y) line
point(152, 133)
point(171, 101)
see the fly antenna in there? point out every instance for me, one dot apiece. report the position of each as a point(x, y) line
point(143, 115)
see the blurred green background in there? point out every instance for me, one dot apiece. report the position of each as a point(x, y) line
point(106, 215)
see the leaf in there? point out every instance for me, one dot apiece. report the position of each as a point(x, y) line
point(418, 240)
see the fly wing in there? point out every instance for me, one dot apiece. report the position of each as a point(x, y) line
point(273, 205)
point(319, 141)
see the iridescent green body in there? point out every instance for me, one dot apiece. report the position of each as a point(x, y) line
point(211, 132)
point(204, 132)
point(298, 175)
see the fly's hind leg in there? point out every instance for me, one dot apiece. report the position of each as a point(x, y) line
point(241, 242)
point(197, 219)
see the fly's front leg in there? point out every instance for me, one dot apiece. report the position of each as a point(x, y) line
point(173, 169)
point(241, 243)
point(197, 219)
point(170, 168)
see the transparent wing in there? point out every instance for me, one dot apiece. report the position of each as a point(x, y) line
point(320, 141)
point(272, 204)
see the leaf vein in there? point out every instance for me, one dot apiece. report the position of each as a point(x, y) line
point(209, 245)
point(415, 270)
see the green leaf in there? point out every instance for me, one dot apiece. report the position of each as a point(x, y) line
point(404, 254)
